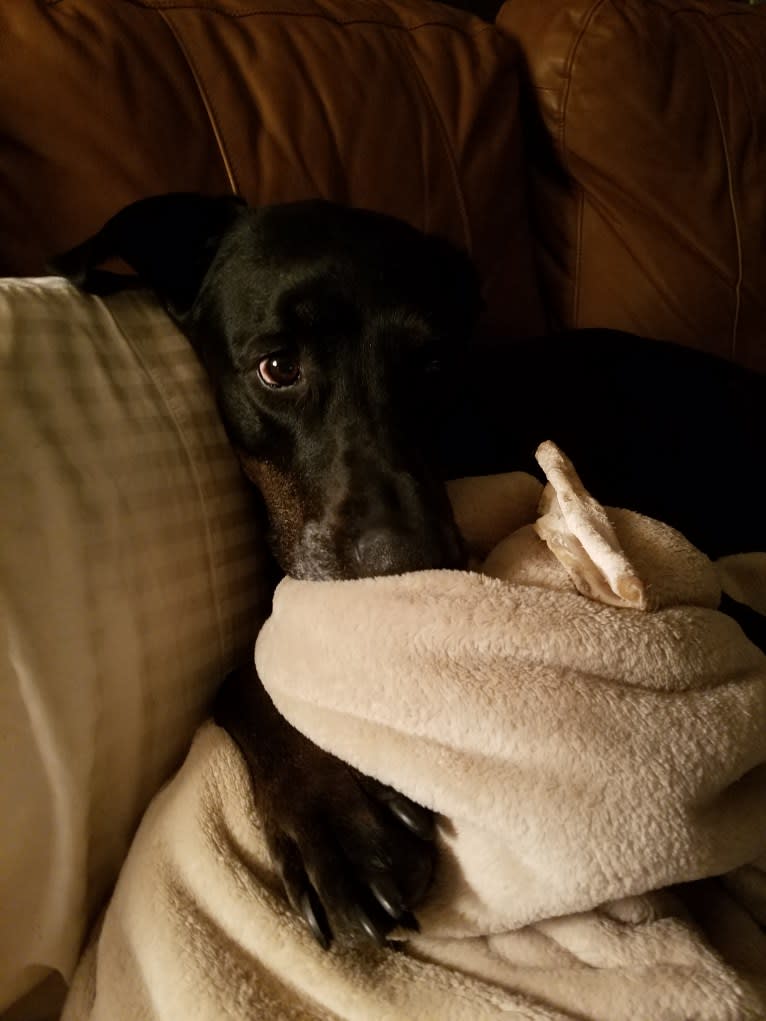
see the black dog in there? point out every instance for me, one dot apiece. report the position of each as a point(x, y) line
point(337, 342)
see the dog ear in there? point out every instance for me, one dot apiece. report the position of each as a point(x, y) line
point(169, 240)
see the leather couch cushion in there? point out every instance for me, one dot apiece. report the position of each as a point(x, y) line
point(658, 111)
point(407, 108)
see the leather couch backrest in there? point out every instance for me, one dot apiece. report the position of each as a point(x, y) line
point(407, 108)
point(658, 111)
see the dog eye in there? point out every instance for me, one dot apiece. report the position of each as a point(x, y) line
point(280, 369)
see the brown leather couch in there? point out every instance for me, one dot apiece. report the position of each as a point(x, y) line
point(603, 160)
point(647, 212)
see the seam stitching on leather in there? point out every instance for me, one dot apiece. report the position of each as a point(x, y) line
point(428, 98)
point(569, 68)
point(575, 308)
point(212, 119)
point(272, 12)
point(733, 205)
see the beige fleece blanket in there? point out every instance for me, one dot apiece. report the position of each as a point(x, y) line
point(590, 729)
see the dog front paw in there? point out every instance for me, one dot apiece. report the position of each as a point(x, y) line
point(355, 856)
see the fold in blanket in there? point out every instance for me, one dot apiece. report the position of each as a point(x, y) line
point(592, 732)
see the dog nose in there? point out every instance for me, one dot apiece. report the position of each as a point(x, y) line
point(387, 551)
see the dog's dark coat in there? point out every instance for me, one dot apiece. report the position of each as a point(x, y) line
point(337, 342)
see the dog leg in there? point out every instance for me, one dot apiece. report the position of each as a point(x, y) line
point(354, 856)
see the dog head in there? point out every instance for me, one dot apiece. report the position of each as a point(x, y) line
point(333, 338)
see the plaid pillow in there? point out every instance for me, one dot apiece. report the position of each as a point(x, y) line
point(132, 578)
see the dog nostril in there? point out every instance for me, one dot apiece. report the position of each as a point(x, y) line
point(381, 551)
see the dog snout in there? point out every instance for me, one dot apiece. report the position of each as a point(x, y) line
point(384, 551)
point(388, 550)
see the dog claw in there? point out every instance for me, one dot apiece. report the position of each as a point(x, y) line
point(387, 894)
point(408, 921)
point(418, 820)
point(369, 928)
point(315, 918)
